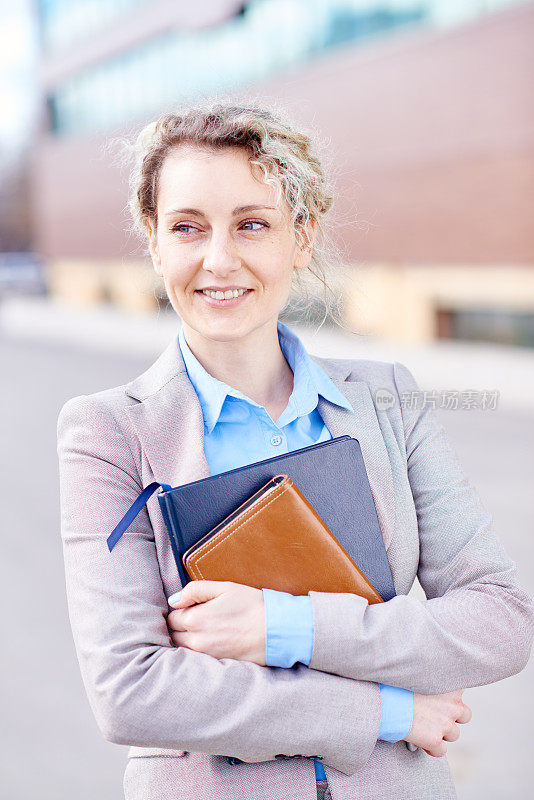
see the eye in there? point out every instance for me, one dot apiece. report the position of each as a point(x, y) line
point(182, 225)
point(255, 222)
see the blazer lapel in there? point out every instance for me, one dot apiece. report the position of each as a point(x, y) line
point(168, 422)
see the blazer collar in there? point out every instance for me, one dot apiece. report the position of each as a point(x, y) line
point(169, 424)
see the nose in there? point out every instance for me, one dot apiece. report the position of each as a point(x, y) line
point(221, 257)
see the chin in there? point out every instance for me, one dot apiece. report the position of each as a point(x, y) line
point(223, 333)
point(219, 330)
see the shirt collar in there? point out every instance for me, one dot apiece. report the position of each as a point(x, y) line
point(309, 381)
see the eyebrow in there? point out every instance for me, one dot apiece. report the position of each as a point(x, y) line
point(238, 210)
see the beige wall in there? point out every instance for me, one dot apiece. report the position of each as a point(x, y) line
point(403, 303)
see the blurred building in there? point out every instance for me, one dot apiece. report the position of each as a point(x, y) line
point(426, 106)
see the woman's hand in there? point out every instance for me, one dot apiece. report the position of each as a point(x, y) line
point(434, 721)
point(220, 618)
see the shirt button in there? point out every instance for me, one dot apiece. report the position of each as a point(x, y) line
point(276, 439)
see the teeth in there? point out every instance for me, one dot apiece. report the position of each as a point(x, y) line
point(224, 295)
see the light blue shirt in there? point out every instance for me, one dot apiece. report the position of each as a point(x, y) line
point(239, 431)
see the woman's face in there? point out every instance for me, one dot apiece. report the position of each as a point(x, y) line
point(218, 228)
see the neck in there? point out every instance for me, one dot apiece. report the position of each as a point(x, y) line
point(255, 365)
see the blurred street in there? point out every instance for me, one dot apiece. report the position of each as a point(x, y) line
point(46, 709)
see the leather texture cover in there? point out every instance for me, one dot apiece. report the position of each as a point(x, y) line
point(332, 477)
point(276, 539)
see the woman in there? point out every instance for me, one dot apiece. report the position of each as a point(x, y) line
point(232, 199)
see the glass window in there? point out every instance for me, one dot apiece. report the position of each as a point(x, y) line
point(266, 37)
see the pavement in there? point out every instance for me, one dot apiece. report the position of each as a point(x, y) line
point(439, 366)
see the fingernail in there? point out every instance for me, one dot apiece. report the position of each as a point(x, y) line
point(174, 598)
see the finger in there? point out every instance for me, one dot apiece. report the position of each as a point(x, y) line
point(453, 734)
point(438, 751)
point(465, 715)
point(176, 621)
point(180, 639)
point(197, 592)
point(181, 600)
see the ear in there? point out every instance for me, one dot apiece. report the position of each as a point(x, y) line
point(154, 250)
point(304, 254)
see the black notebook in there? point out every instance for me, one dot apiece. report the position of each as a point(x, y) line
point(332, 477)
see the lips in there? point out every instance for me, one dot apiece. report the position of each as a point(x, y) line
point(223, 303)
point(227, 289)
point(207, 289)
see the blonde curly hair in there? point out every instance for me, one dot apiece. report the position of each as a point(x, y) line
point(286, 157)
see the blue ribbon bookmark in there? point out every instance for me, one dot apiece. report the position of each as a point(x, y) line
point(133, 511)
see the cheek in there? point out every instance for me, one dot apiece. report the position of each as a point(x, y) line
point(177, 268)
point(276, 265)
point(281, 277)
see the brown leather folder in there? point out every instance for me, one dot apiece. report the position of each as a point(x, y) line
point(276, 540)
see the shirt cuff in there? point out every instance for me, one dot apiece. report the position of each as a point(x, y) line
point(396, 715)
point(288, 628)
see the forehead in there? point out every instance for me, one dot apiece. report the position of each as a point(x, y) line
point(195, 177)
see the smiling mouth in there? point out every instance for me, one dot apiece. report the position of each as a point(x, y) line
point(231, 296)
point(223, 295)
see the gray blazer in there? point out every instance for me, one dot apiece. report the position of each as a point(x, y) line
point(180, 710)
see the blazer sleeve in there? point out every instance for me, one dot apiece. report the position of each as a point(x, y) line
point(476, 625)
point(142, 689)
